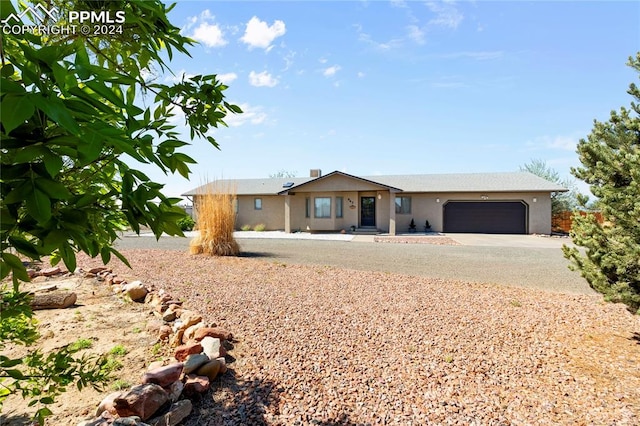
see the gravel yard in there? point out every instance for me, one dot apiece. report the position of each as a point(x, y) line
point(534, 267)
point(326, 345)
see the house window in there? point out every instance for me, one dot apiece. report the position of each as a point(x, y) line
point(322, 207)
point(257, 203)
point(403, 205)
point(338, 206)
point(307, 207)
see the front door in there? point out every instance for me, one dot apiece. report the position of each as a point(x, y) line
point(368, 211)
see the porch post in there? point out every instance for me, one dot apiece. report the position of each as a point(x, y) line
point(392, 213)
point(287, 213)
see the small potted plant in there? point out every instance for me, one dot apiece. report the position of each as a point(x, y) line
point(412, 226)
point(353, 228)
point(427, 226)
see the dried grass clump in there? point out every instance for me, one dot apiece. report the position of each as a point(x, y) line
point(216, 220)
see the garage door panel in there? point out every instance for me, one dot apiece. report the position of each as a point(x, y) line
point(485, 217)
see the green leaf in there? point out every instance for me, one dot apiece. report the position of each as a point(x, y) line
point(18, 194)
point(120, 256)
point(53, 163)
point(25, 247)
point(15, 110)
point(7, 70)
point(29, 153)
point(105, 254)
point(82, 60)
point(57, 111)
point(55, 190)
point(102, 90)
point(68, 256)
point(15, 264)
point(39, 205)
point(15, 374)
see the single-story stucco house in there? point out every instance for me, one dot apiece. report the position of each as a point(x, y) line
point(497, 203)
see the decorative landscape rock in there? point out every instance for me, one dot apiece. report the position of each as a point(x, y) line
point(189, 318)
point(163, 376)
point(169, 314)
point(194, 361)
point(141, 400)
point(176, 413)
point(189, 332)
point(183, 351)
point(129, 421)
point(164, 332)
point(176, 339)
point(49, 272)
point(175, 390)
point(107, 404)
point(162, 383)
point(218, 332)
point(211, 369)
point(212, 347)
point(223, 365)
point(135, 290)
point(195, 384)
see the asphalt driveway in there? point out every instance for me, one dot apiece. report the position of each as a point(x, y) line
point(525, 260)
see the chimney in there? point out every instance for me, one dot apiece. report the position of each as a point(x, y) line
point(315, 173)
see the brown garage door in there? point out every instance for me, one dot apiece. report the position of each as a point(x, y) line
point(487, 217)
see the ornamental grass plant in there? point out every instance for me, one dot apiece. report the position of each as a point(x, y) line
point(215, 221)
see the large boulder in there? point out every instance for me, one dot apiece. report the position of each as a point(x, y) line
point(141, 400)
point(163, 376)
point(217, 332)
point(176, 413)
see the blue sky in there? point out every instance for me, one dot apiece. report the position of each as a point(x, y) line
point(405, 87)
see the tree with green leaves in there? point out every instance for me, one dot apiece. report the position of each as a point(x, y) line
point(610, 158)
point(78, 113)
point(560, 201)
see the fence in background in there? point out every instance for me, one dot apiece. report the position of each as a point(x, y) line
point(561, 222)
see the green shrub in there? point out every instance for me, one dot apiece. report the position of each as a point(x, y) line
point(118, 350)
point(80, 344)
point(260, 227)
point(186, 223)
point(245, 228)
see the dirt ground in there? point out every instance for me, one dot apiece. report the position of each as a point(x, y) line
point(106, 321)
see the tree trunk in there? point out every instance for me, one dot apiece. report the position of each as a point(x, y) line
point(53, 301)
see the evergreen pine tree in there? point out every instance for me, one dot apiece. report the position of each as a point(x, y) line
point(610, 158)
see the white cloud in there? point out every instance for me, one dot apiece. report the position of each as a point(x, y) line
point(558, 142)
point(204, 31)
point(228, 77)
point(259, 34)
point(263, 79)
point(323, 60)
point(416, 34)
point(447, 15)
point(366, 38)
point(209, 34)
point(331, 71)
point(250, 115)
point(361, 74)
point(178, 77)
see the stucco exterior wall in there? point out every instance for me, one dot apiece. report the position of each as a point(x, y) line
point(271, 214)
point(429, 207)
point(423, 207)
